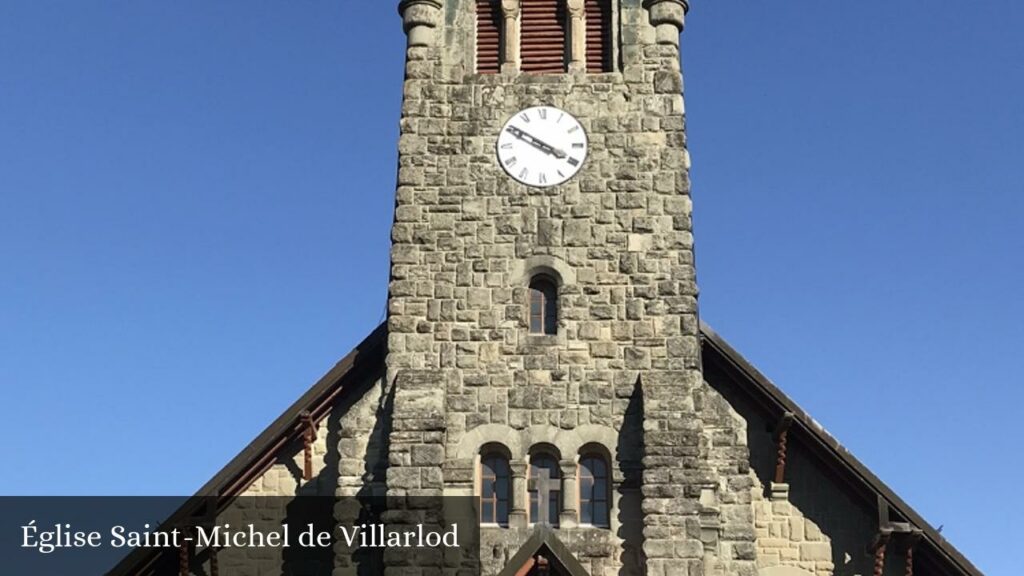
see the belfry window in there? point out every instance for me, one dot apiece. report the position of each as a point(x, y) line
point(543, 306)
point(599, 35)
point(594, 491)
point(488, 36)
point(545, 488)
point(495, 488)
point(543, 36)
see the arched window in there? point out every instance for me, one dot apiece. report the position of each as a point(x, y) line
point(545, 487)
point(488, 36)
point(543, 36)
point(599, 35)
point(594, 491)
point(495, 487)
point(543, 306)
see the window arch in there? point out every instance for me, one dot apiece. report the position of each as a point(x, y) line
point(545, 489)
point(488, 36)
point(599, 35)
point(495, 488)
point(595, 490)
point(543, 305)
point(543, 36)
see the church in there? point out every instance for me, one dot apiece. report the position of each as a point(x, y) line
point(543, 355)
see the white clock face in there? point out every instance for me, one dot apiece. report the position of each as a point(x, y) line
point(542, 146)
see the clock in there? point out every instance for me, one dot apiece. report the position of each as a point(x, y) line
point(542, 146)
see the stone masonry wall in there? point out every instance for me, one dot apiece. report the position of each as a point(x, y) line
point(464, 233)
point(786, 538)
point(811, 525)
point(812, 522)
point(726, 517)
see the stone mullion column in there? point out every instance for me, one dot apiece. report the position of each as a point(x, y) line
point(519, 497)
point(577, 36)
point(511, 36)
point(569, 517)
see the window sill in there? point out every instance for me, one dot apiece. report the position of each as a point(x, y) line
point(585, 527)
point(543, 340)
point(614, 77)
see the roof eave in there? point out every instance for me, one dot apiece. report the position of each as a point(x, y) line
point(827, 442)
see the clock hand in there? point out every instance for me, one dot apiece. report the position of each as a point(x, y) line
point(536, 142)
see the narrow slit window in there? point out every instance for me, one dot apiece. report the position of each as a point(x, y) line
point(543, 306)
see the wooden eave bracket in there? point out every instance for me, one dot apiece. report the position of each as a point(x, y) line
point(884, 520)
point(781, 436)
point(308, 426)
point(907, 534)
point(881, 540)
point(210, 521)
point(782, 427)
point(184, 553)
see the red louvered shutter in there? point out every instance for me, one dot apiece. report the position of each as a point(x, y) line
point(488, 36)
point(599, 35)
point(543, 36)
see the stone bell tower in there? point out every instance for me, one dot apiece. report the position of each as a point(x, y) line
point(490, 375)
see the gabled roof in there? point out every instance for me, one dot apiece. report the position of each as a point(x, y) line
point(543, 541)
point(716, 349)
point(367, 359)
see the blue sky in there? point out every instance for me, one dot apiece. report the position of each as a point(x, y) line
point(195, 201)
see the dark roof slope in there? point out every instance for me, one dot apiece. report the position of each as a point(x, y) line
point(543, 541)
